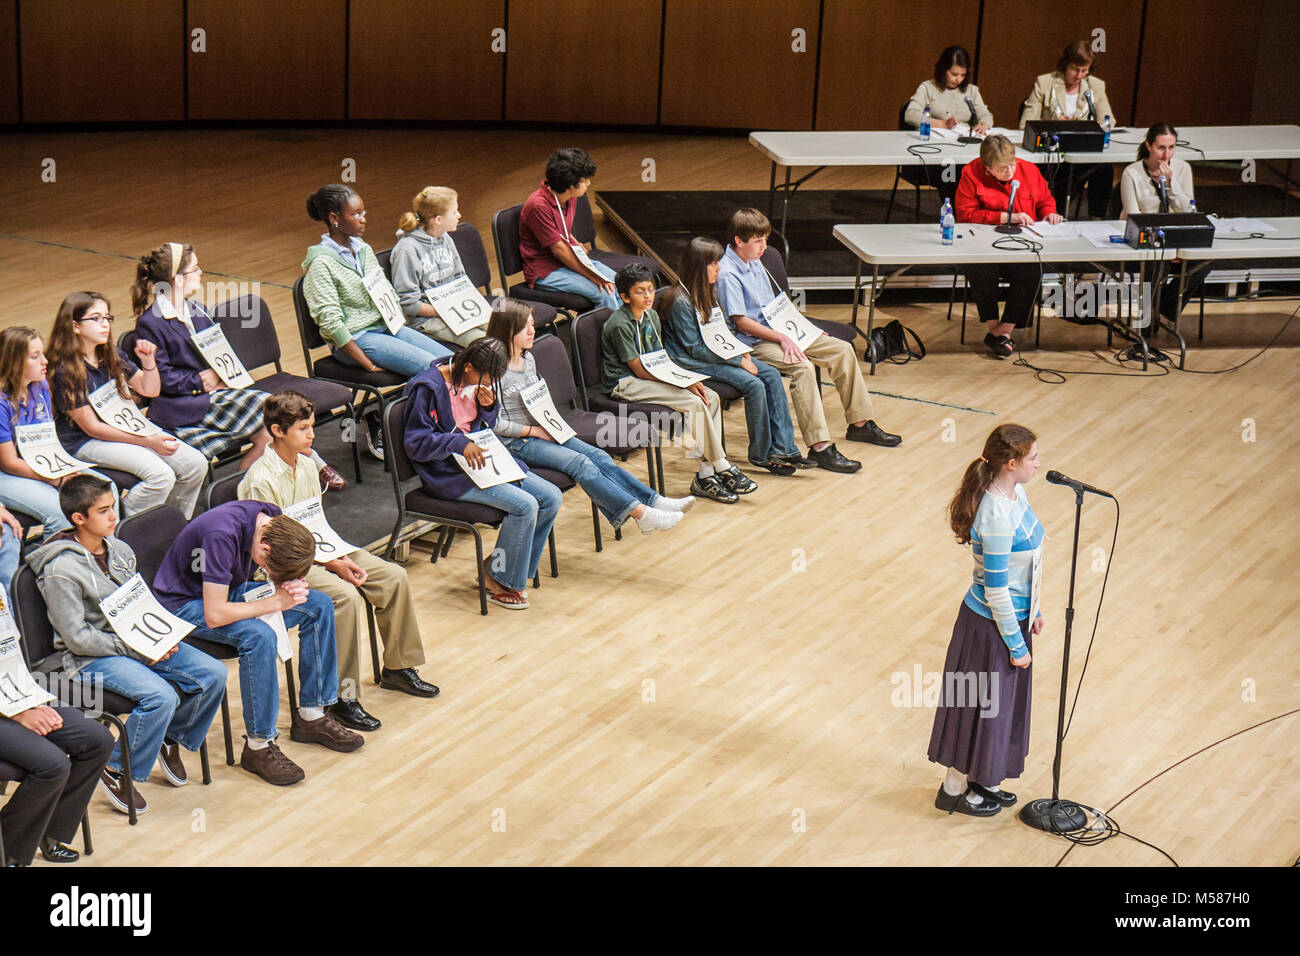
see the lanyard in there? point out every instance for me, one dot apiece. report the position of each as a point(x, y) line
point(563, 222)
point(640, 342)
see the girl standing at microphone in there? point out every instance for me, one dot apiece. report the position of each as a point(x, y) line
point(981, 728)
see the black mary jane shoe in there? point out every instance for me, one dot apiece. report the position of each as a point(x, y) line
point(959, 804)
point(57, 852)
point(993, 796)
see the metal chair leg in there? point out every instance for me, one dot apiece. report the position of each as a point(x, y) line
point(289, 685)
point(889, 211)
point(86, 845)
point(225, 727)
point(207, 768)
point(965, 296)
point(550, 544)
point(595, 527)
point(482, 579)
point(374, 640)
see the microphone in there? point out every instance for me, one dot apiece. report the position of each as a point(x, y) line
point(970, 105)
point(1162, 186)
point(1092, 107)
point(1056, 478)
point(1009, 228)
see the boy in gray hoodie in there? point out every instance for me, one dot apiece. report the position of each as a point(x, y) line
point(76, 570)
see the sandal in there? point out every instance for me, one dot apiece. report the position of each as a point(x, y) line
point(510, 599)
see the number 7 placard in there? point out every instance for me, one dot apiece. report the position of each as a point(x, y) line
point(141, 622)
point(498, 467)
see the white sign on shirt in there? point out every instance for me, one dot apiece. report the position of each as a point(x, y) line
point(141, 622)
point(311, 515)
point(114, 410)
point(216, 351)
point(275, 619)
point(382, 295)
point(783, 317)
point(498, 467)
point(38, 445)
point(537, 399)
point(658, 364)
point(718, 337)
point(459, 304)
point(18, 692)
point(1036, 585)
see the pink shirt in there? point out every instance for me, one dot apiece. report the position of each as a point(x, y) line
point(464, 410)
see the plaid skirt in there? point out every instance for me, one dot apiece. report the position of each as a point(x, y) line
point(234, 415)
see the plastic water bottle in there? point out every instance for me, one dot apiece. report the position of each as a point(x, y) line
point(1106, 125)
point(1191, 205)
point(947, 224)
point(925, 124)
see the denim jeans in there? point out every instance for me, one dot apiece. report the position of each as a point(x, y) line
point(159, 711)
point(566, 280)
point(10, 551)
point(39, 499)
point(614, 491)
point(530, 507)
point(407, 353)
point(259, 685)
point(767, 413)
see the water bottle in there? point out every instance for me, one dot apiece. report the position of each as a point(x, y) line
point(947, 225)
point(925, 124)
point(1191, 205)
point(1105, 125)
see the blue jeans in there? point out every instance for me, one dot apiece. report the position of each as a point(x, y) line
point(566, 280)
point(259, 686)
point(407, 353)
point(159, 711)
point(10, 551)
point(767, 413)
point(39, 499)
point(614, 491)
point(530, 507)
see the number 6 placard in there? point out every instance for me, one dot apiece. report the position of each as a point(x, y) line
point(216, 351)
point(145, 625)
point(460, 305)
point(39, 447)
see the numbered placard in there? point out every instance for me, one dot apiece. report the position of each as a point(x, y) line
point(783, 317)
point(460, 305)
point(659, 365)
point(275, 619)
point(718, 337)
point(38, 445)
point(18, 692)
point(311, 515)
point(114, 410)
point(1036, 584)
point(580, 251)
point(141, 622)
point(537, 398)
point(385, 299)
point(216, 351)
point(498, 465)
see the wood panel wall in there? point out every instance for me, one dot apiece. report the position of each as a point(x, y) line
point(9, 61)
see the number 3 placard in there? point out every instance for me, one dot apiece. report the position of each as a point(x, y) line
point(145, 625)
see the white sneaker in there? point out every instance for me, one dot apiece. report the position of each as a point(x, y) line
point(652, 520)
point(681, 505)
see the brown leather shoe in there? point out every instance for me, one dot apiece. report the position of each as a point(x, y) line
point(325, 731)
point(271, 764)
point(114, 788)
point(331, 480)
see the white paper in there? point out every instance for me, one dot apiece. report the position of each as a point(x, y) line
point(1062, 230)
point(114, 410)
point(38, 445)
point(141, 622)
point(783, 317)
point(1242, 225)
point(1036, 585)
point(498, 467)
point(18, 692)
point(658, 364)
point(537, 399)
point(460, 305)
point(580, 251)
point(718, 337)
point(311, 515)
point(275, 619)
point(1099, 233)
point(216, 351)
point(385, 299)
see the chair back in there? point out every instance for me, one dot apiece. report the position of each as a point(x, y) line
point(553, 365)
point(584, 223)
point(249, 329)
point(505, 234)
point(150, 534)
point(469, 246)
point(395, 443)
point(385, 258)
point(224, 491)
point(776, 265)
point(586, 348)
point(32, 617)
point(308, 331)
point(126, 341)
point(902, 112)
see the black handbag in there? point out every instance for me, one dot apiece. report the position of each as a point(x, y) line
point(890, 342)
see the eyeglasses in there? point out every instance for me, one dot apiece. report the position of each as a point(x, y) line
point(96, 318)
point(190, 272)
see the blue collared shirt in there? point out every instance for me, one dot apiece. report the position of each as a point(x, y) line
point(743, 288)
point(349, 255)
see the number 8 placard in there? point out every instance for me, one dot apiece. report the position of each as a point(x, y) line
point(460, 305)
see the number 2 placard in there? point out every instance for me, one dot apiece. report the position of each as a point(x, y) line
point(141, 622)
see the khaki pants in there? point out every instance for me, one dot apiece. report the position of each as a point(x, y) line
point(388, 589)
point(837, 357)
point(703, 436)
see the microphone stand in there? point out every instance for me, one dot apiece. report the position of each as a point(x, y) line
point(1056, 815)
point(1009, 228)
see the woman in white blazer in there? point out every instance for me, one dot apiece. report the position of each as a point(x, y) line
point(946, 96)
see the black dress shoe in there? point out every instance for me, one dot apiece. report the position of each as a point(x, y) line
point(737, 481)
point(351, 714)
point(959, 804)
point(57, 852)
point(831, 459)
point(872, 434)
point(992, 796)
point(776, 466)
point(407, 681)
point(799, 461)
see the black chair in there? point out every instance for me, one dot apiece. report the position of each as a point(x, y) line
point(473, 256)
point(505, 235)
point(727, 392)
point(775, 266)
point(10, 773)
point(584, 230)
point(449, 515)
point(250, 331)
point(915, 176)
point(587, 350)
point(382, 386)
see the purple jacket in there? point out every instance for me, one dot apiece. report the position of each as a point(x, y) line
point(182, 401)
point(432, 435)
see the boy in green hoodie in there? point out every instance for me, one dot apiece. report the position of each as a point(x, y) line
point(76, 570)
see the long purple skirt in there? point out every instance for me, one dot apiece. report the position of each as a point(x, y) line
point(981, 726)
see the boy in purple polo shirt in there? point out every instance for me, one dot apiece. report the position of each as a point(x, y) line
point(203, 578)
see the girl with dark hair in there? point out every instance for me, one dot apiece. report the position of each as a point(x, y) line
point(981, 727)
point(83, 359)
point(616, 493)
point(686, 309)
point(448, 401)
point(946, 95)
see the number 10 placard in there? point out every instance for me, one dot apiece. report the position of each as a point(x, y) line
point(145, 625)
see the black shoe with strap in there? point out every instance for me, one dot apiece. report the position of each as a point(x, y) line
point(991, 796)
point(777, 467)
point(959, 804)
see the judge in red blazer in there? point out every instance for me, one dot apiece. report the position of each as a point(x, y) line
point(982, 197)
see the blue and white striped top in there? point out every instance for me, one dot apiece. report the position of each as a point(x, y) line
point(1005, 537)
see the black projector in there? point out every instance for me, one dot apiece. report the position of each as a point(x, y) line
point(1183, 230)
point(1072, 136)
